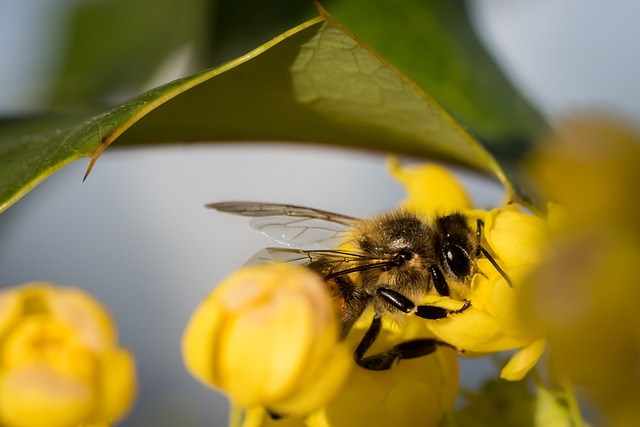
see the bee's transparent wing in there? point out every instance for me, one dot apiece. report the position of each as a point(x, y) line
point(292, 225)
point(329, 263)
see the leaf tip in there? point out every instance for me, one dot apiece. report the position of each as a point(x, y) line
point(86, 174)
point(94, 158)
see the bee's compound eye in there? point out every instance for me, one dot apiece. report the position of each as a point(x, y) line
point(457, 260)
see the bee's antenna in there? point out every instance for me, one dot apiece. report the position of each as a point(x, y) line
point(497, 267)
point(488, 255)
point(357, 268)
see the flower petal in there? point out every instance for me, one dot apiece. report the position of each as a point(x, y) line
point(10, 309)
point(522, 362)
point(117, 386)
point(38, 397)
point(430, 188)
point(199, 340)
point(516, 237)
point(414, 392)
point(86, 315)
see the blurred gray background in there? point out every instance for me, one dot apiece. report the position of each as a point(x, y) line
point(136, 235)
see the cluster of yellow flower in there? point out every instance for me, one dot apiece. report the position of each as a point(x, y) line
point(585, 293)
point(60, 365)
point(268, 338)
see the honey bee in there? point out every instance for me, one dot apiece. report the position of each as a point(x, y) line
point(395, 258)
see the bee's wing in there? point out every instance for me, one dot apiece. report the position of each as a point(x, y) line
point(329, 263)
point(292, 225)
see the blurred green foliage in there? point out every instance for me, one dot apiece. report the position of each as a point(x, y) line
point(114, 47)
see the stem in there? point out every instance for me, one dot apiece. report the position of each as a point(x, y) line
point(235, 416)
point(572, 402)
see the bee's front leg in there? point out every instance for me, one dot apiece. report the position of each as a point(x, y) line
point(404, 304)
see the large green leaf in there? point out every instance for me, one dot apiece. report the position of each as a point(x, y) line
point(430, 41)
point(315, 83)
point(433, 43)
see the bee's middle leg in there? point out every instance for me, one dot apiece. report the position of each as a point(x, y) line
point(384, 360)
point(405, 350)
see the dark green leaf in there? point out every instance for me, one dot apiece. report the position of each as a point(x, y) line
point(433, 43)
point(315, 83)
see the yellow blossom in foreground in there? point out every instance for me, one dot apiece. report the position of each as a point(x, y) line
point(414, 392)
point(516, 241)
point(268, 336)
point(585, 293)
point(259, 339)
point(60, 365)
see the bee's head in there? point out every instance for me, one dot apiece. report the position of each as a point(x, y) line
point(406, 241)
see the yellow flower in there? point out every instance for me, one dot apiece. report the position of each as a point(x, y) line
point(60, 364)
point(268, 336)
point(515, 240)
point(420, 391)
point(585, 293)
point(259, 339)
point(429, 188)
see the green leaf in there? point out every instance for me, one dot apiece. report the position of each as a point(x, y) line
point(240, 26)
point(433, 43)
point(315, 83)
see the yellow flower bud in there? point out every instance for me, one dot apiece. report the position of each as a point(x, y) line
point(59, 360)
point(414, 392)
point(268, 336)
